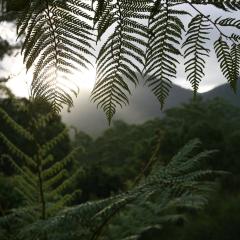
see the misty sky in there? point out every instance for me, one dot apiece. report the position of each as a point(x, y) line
point(19, 82)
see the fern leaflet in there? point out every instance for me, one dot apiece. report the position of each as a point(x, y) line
point(56, 52)
point(226, 62)
point(197, 35)
point(166, 30)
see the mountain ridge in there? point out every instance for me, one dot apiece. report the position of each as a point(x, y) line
point(143, 106)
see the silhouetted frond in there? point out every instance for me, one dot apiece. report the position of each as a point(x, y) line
point(58, 42)
point(197, 35)
point(132, 35)
point(121, 55)
point(226, 62)
point(161, 57)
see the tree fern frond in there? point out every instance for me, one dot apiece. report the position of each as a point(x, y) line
point(224, 4)
point(14, 125)
point(61, 52)
point(235, 37)
point(235, 55)
point(230, 22)
point(16, 151)
point(48, 146)
point(175, 188)
point(161, 57)
point(113, 71)
point(41, 180)
point(197, 35)
point(226, 62)
point(59, 165)
point(59, 35)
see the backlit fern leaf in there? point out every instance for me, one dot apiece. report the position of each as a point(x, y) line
point(56, 52)
point(59, 36)
point(222, 4)
point(161, 57)
point(230, 22)
point(235, 55)
point(120, 56)
point(197, 35)
point(226, 62)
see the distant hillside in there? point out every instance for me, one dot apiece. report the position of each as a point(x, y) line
point(224, 91)
point(143, 106)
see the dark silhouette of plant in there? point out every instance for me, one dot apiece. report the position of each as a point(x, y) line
point(144, 36)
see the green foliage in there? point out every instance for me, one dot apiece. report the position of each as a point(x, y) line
point(151, 208)
point(227, 62)
point(161, 57)
point(54, 30)
point(42, 182)
point(216, 123)
point(117, 57)
point(179, 184)
point(197, 35)
point(219, 221)
point(142, 36)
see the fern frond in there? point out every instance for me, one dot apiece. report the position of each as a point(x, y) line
point(40, 180)
point(59, 35)
point(226, 62)
point(14, 125)
point(56, 52)
point(59, 165)
point(174, 184)
point(223, 4)
point(197, 35)
point(235, 55)
point(161, 56)
point(16, 151)
point(120, 55)
point(48, 146)
point(229, 22)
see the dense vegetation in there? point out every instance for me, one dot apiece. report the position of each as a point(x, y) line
point(115, 162)
point(134, 182)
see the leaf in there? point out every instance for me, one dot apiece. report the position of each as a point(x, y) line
point(197, 36)
point(226, 62)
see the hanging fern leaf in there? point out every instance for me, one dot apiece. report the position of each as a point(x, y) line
point(197, 35)
point(223, 4)
point(226, 62)
point(56, 52)
point(230, 22)
point(235, 55)
point(59, 35)
point(161, 57)
point(120, 56)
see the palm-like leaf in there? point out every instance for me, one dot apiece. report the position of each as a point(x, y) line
point(197, 35)
point(59, 36)
point(120, 56)
point(161, 57)
point(226, 62)
point(55, 51)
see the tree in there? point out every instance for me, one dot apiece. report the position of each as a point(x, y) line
point(135, 37)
